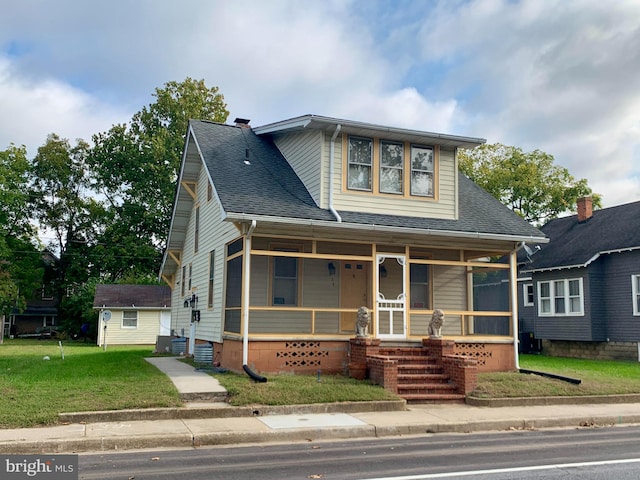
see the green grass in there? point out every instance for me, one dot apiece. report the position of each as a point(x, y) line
point(33, 391)
point(598, 377)
point(287, 389)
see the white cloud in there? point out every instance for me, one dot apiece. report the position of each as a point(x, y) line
point(33, 109)
point(555, 75)
point(549, 74)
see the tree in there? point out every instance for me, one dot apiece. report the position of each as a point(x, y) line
point(137, 165)
point(64, 205)
point(136, 168)
point(20, 258)
point(528, 183)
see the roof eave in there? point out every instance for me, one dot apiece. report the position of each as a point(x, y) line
point(309, 121)
point(244, 217)
point(584, 265)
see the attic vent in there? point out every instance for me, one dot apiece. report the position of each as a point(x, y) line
point(242, 122)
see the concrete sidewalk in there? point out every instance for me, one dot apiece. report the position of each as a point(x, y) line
point(216, 423)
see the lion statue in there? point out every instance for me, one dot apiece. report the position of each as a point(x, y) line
point(435, 325)
point(362, 322)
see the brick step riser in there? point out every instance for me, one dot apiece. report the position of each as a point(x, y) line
point(442, 389)
point(407, 353)
point(419, 370)
point(434, 397)
point(412, 380)
point(452, 401)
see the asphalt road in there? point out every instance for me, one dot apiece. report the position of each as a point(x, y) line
point(592, 454)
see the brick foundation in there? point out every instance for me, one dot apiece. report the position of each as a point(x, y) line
point(285, 356)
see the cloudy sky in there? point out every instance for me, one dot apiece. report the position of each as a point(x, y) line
point(562, 76)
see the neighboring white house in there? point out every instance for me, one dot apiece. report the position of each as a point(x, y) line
point(138, 313)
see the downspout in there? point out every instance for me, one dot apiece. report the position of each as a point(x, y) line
point(246, 284)
point(332, 151)
point(513, 291)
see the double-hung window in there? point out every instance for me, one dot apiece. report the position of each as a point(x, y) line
point(422, 171)
point(212, 258)
point(419, 285)
point(285, 281)
point(561, 297)
point(527, 294)
point(360, 163)
point(635, 289)
point(130, 319)
point(391, 167)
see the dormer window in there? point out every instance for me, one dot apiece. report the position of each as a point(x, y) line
point(388, 167)
point(360, 162)
point(422, 171)
point(391, 167)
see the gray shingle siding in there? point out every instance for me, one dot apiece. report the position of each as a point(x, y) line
point(526, 315)
point(623, 326)
point(564, 327)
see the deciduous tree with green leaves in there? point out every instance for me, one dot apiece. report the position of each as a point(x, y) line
point(137, 164)
point(529, 183)
point(20, 265)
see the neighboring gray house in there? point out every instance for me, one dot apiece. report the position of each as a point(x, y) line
point(280, 233)
point(580, 293)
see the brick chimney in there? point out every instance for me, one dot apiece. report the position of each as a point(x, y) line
point(242, 122)
point(585, 208)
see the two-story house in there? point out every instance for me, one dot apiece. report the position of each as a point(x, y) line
point(40, 315)
point(580, 293)
point(280, 233)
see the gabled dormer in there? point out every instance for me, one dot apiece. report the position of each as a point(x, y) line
point(361, 167)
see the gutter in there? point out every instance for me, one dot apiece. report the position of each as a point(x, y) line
point(244, 217)
point(332, 150)
point(246, 284)
point(513, 292)
point(586, 264)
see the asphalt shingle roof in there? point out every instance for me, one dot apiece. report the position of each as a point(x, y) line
point(269, 186)
point(123, 296)
point(574, 243)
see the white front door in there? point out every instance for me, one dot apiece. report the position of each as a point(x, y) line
point(391, 302)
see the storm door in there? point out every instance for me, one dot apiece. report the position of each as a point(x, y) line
point(391, 297)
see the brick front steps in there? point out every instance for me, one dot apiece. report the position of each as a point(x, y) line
point(426, 374)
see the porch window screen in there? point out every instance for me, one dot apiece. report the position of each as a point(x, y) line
point(419, 278)
point(233, 297)
point(285, 281)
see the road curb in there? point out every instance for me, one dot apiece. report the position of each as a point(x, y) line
point(541, 401)
point(186, 413)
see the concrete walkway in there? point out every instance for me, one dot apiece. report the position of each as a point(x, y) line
point(193, 385)
point(215, 423)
